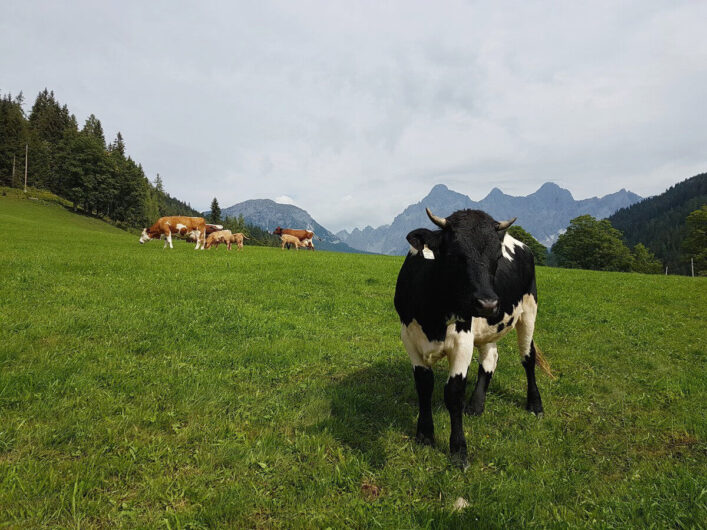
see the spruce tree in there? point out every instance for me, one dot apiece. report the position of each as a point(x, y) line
point(215, 215)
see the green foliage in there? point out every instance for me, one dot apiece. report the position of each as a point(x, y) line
point(215, 214)
point(645, 261)
point(77, 165)
point(659, 222)
point(695, 243)
point(592, 244)
point(143, 388)
point(14, 134)
point(539, 251)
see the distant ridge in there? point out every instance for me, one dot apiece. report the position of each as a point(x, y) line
point(545, 214)
point(659, 221)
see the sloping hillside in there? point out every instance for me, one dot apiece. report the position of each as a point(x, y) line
point(659, 222)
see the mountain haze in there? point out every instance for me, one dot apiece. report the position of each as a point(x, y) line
point(545, 214)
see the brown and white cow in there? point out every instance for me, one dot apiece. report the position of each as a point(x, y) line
point(218, 237)
point(305, 236)
point(237, 238)
point(177, 225)
point(288, 239)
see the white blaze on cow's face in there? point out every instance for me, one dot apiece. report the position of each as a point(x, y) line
point(144, 236)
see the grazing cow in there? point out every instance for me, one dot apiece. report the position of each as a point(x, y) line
point(465, 285)
point(218, 237)
point(178, 225)
point(288, 240)
point(237, 238)
point(305, 236)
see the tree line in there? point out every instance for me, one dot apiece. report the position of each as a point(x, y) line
point(77, 163)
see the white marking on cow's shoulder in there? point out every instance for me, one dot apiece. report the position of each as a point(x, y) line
point(509, 246)
point(427, 253)
point(180, 226)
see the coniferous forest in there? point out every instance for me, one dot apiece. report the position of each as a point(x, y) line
point(660, 222)
point(77, 163)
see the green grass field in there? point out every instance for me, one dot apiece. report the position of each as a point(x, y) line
point(142, 387)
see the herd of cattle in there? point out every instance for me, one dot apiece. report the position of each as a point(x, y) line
point(211, 235)
point(461, 287)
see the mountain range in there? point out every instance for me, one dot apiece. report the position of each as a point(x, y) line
point(545, 214)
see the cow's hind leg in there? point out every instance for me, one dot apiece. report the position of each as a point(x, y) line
point(459, 360)
point(488, 357)
point(424, 384)
point(525, 329)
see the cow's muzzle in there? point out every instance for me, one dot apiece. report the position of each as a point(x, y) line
point(487, 307)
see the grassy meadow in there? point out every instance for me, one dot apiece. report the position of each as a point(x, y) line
point(142, 387)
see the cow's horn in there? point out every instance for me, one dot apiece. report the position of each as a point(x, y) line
point(439, 221)
point(503, 225)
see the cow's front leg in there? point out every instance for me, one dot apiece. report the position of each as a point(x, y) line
point(459, 361)
point(424, 383)
point(488, 357)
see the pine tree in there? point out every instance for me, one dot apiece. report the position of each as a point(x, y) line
point(215, 215)
point(93, 128)
point(14, 134)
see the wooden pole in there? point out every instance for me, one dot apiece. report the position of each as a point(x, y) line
point(692, 266)
point(12, 182)
point(666, 270)
point(26, 157)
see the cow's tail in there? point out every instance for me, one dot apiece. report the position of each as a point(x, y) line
point(542, 363)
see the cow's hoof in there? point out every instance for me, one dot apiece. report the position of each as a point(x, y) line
point(474, 409)
point(424, 439)
point(535, 408)
point(460, 461)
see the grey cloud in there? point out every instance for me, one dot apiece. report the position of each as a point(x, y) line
point(355, 110)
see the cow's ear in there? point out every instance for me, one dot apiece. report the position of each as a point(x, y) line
point(419, 238)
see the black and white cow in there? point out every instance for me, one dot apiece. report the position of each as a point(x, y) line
point(465, 285)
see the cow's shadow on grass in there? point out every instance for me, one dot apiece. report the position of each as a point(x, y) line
point(370, 401)
point(377, 399)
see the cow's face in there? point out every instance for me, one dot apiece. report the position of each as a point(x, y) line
point(144, 236)
point(277, 231)
point(467, 250)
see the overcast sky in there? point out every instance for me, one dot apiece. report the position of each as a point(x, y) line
point(353, 110)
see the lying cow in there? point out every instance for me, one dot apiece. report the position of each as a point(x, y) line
point(288, 240)
point(177, 225)
point(218, 237)
point(465, 285)
point(305, 236)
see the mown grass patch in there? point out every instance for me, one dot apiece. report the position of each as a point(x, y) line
point(142, 387)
